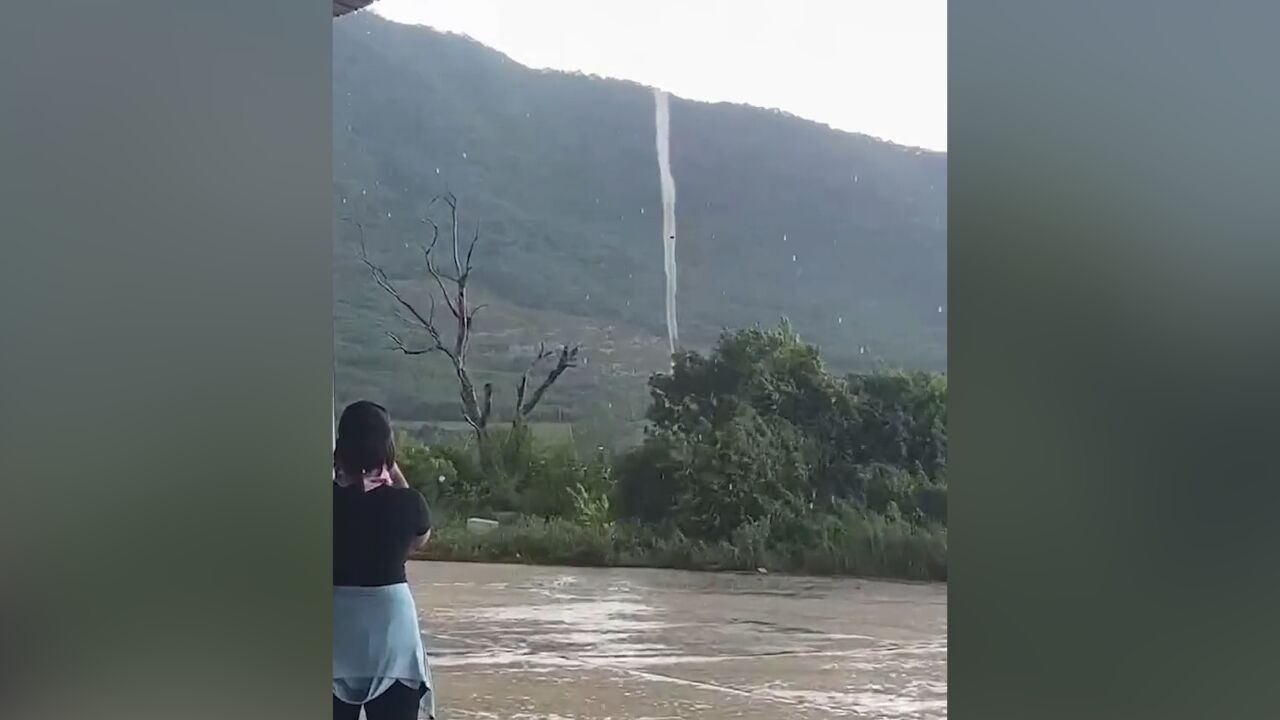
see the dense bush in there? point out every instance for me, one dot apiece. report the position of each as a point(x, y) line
point(648, 479)
point(914, 495)
point(511, 474)
point(749, 469)
point(759, 430)
point(756, 457)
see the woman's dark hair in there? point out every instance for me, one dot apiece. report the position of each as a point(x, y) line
point(365, 440)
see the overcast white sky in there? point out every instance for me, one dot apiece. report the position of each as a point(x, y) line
point(872, 66)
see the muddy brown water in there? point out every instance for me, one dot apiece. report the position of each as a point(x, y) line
point(511, 642)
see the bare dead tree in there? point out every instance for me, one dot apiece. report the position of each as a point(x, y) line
point(454, 342)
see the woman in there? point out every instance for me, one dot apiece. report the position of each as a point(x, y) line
point(378, 660)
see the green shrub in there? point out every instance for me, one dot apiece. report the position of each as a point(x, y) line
point(649, 479)
point(847, 542)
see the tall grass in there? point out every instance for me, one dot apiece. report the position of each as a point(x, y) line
point(844, 543)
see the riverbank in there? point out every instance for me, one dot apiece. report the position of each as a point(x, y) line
point(854, 546)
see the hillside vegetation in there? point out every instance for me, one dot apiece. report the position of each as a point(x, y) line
point(842, 234)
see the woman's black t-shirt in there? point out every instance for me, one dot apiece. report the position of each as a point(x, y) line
point(373, 533)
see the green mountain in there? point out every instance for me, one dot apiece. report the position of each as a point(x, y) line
point(777, 216)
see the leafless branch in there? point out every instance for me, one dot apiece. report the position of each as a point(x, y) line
point(568, 358)
point(406, 350)
point(470, 250)
point(452, 202)
point(435, 272)
point(474, 425)
point(380, 277)
point(520, 390)
point(472, 315)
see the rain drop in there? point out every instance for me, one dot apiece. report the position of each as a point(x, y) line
point(784, 237)
point(641, 211)
point(939, 308)
point(464, 156)
point(839, 321)
point(388, 214)
point(855, 179)
point(793, 258)
point(437, 171)
point(364, 192)
point(344, 201)
point(862, 349)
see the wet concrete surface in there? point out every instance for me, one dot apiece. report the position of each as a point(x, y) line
point(538, 643)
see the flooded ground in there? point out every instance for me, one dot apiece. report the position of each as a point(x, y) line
point(524, 643)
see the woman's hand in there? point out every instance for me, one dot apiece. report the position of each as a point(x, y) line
point(397, 477)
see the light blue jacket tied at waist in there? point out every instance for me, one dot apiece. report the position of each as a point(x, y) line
point(376, 643)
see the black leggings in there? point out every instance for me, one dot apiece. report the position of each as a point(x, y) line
point(399, 702)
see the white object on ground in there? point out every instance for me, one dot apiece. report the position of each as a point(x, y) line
point(481, 526)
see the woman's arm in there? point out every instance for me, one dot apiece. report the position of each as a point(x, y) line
point(424, 523)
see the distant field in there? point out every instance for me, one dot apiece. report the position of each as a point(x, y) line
point(546, 432)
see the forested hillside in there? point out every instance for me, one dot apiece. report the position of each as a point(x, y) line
point(843, 234)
